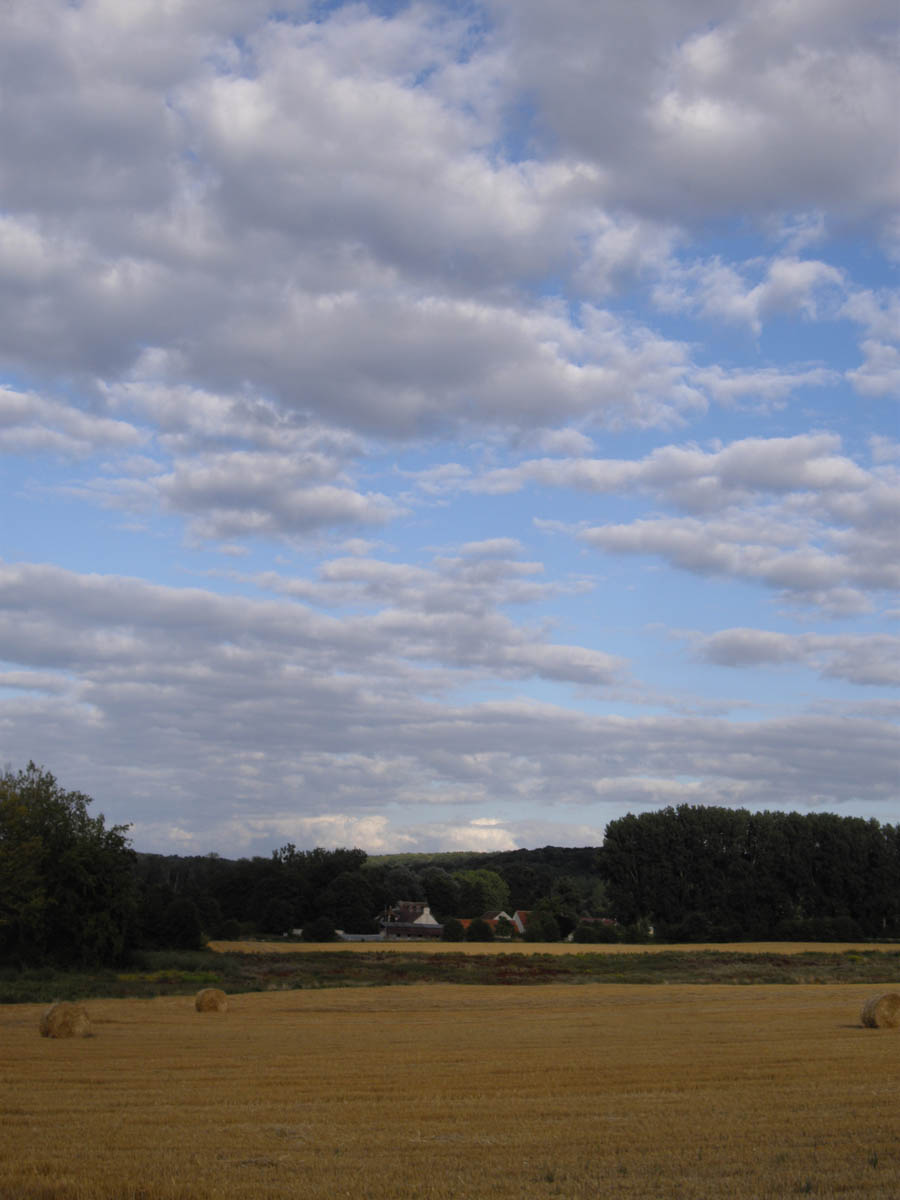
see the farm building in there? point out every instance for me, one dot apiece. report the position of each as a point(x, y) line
point(410, 919)
point(520, 920)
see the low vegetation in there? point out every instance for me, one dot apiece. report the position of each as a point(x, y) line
point(298, 967)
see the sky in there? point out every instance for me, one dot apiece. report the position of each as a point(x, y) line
point(445, 426)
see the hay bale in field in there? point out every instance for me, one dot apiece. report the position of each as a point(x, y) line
point(211, 1000)
point(62, 1020)
point(882, 1012)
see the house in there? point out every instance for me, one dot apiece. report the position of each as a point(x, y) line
point(492, 919)
point(520, 920)
point(410, 919)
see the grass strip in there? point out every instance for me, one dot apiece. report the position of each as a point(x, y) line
point(164, 973)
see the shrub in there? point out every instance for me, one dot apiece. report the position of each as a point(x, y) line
point(320, 929)
point(596, 932)
point(479, 931)
point(542, 927)
point(453, 931)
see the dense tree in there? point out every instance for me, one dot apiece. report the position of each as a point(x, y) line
point(542, 924)
point(596, 932)
point(278, 916)
point(692, 873)
point(319, 929)
point(441, 891)
point(350, 902)
point(454, 931)
point(481, 891)
point(181, 926)
point(402, 883)
point(706, 873)
point(67, 889)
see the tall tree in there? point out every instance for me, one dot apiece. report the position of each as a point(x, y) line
point(702, 873)
point(67, 894)
point(481, 891)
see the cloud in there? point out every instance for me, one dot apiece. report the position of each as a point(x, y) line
point(720, 292)
point(879, 374)
point(868, 659)
point(768, 387)
point(266, 494)
point(122, 627)
point(31, 424)
point(251, 714)
point(314, 236)
point(294, 278)
point(698, 480)
point(878, 313)
point(333, 229)
point(709, 109)
point(793, 513)
point(800, 573)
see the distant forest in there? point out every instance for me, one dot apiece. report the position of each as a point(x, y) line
point(347, 890)
point(73, 891)
point(689, 873)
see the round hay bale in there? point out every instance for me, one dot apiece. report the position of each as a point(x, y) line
point(882, 1012)
point(211, 1000)
point(62, 1020)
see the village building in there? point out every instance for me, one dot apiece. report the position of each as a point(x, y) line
point(520, 920)
point(410, 919)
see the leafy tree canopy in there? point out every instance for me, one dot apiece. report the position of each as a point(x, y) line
point(67, 887)
point(479, 931)
point(481, 891)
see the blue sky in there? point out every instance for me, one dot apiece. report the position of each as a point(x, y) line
point(443, 426)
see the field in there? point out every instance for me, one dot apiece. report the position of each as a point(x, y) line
point(409, 945)
point(440, 1091)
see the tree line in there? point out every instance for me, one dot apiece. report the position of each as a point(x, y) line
point(721, 874)
point(74, 892)
point(317, 890)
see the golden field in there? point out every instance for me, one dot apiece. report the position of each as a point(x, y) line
point(500, 947)
point(440, 1091)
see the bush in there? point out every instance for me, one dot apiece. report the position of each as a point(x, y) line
point(638, 932)
point(542, 927)
point(692, 927)
point(453, 931)
point(479, 931)
point(596, 932)
point(320, 929)
point(818, 929)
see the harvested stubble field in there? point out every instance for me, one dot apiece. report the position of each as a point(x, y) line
point(426, 945)
point(440, 1091)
